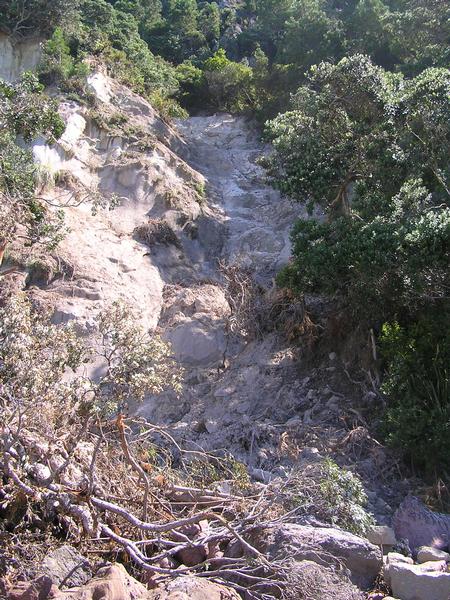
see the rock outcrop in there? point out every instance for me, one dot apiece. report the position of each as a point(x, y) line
point(414, 522)
point(18, 56)
point(322, 545)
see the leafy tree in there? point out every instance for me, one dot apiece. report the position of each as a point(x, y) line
point(420, 34)
point(369, 31)
point(57, 63)
point(113, 35)
point(192, 85)
point(379, 269)
point(312, 35)
point(35, 355)
point(337, 133)
point(209, 23)
point(25, 111)
point(23, 18)
point(230, 84)
point(370, 149)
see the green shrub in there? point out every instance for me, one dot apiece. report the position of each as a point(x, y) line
point(168, 108)
point(230, 84)
point(25, 111)
point(344, 499)
point(377, 269)
point(417, 417)
point(57, 63)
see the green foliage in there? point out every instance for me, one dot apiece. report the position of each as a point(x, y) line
point(311, 35)
point(383, 267)
point(110, 32)
point(417, 417)
point(27, 18)
point(371, 148)
point(35, 357)
point(137, 363)
point(57, 64)
point(25, 111)
point(229, 84)
point(344, 499)
point(337, 133)
point(168, 108)
point(193, 90)
point(332, 494)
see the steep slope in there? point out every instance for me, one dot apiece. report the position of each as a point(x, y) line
point(195, 218)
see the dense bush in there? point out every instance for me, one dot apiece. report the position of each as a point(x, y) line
point(229, 84)
point(388, 266)
point(25, 112)
point(27, 18)
point(370, 149)
point(417, 419)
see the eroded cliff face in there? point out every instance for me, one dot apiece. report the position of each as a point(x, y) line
point(18, 56)
point(193, 202)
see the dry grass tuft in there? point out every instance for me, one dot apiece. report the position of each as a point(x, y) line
point(157, 231)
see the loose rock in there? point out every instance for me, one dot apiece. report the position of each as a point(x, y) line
point(419, 582)
point(362, 559)
point(66, 565)
point(427, 553)
point(192, 588)
point(382, 535)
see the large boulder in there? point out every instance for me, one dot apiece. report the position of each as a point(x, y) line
point(320, 545)
point(196, 324)
point(198, 343)
point(414, 522)
point(193, 588)
point(66, 566)
point(110, 583)
point(428, 581)
point(309, 581)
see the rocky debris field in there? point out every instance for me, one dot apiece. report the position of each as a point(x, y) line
point(193, 245)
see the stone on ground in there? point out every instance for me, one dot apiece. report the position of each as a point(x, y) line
point(427, 553)
point(381, 535)
point(192, 588)
point(320, 545)
point(429, 581)
point(66, 565)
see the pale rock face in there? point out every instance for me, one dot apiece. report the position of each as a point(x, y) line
point(75, 127)
point(18, 57)
point(49, 159)
point(99, 84)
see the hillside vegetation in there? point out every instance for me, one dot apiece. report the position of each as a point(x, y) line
point(352, 99)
